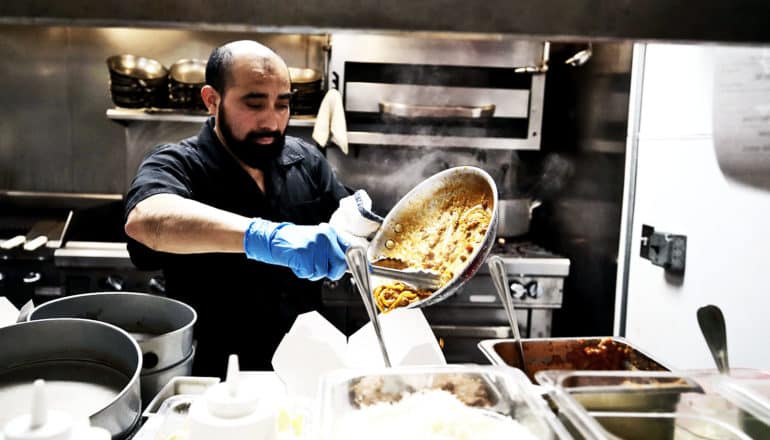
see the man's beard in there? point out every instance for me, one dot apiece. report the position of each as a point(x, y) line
point(248, 150)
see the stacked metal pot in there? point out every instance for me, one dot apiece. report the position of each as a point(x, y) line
point(137, 82)
point(140, 82)
point(162, 327)
point(91, 369)
point(185, 80)
point(306, 91)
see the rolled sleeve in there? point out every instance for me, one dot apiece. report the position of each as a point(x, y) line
point(163, 171)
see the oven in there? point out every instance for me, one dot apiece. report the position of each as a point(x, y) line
point(440, 92)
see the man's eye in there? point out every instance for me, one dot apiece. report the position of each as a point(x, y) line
point(282, 106)
point(256, 106)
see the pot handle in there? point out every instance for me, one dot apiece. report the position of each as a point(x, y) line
point(149, 360)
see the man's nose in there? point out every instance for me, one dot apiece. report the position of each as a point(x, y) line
point(269, 121)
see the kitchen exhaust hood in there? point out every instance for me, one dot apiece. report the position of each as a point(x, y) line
point(739, 21)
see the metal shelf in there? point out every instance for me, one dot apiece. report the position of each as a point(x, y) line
point(127, 115)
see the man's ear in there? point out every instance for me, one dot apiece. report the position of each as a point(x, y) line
point(210, 98)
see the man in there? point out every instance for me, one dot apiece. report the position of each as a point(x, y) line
point(220, 213)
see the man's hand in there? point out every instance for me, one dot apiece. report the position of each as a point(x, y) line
point(312, 252)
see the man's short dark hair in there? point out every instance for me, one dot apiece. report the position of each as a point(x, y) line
point(218, 68)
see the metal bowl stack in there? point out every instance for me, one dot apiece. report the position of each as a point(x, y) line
point(137, 82)
point(306, 91)
point(162, 327)
point(185, 80)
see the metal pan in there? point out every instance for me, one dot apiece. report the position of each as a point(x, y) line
point(568, 354)
point(132, 66)
point(162, 326)
point(303, 76)
point(515, 216)
point(91, 370)
point(153, 382)
point(305, 91)
point(424, 202)
point(188, 71)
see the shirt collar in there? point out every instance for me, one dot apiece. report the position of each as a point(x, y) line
point(290, 154)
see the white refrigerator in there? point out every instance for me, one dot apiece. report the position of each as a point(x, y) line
point(698, 161)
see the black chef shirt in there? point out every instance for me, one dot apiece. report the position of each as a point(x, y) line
point(244, 307)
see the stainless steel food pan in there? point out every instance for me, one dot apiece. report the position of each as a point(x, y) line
point(91, 370)
point(569, 354)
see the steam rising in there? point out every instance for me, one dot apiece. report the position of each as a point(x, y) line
point(389, 172)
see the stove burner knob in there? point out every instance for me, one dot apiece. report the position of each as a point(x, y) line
point(114, 282)
point(533, 289)
point(518, 290)
point(32, 277)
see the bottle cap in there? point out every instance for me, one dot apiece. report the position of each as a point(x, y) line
point(234, 398)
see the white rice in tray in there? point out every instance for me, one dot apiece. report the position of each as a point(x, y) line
point(428, 415)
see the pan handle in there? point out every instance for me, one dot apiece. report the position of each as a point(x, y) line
point(402, 110)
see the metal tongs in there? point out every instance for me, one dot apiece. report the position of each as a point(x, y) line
point(359, 267)
point(500, 279)
point(356, 258)
point(420, 278)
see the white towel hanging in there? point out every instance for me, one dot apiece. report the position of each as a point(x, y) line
point(330, 125)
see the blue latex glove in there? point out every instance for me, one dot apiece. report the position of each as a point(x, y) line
point(311, 252)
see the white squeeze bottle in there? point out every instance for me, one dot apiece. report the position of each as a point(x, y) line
point(44, 424)
point(231, 410)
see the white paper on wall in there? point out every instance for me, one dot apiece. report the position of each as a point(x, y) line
point(741, 112)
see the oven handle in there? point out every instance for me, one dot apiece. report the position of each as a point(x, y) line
point(473, 331)
point(402, 110)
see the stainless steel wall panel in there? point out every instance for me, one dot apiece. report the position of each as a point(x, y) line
point(54, 135)
point(97, 144)
point(35, 137)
